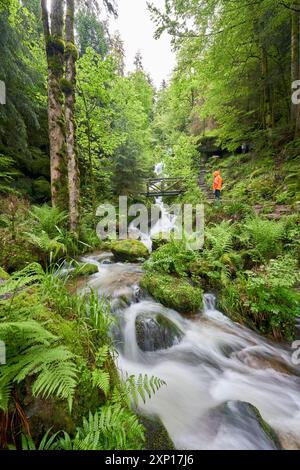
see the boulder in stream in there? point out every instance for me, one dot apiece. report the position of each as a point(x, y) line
point(84, 269)
point(244, 420)
point(155, 332)
point(131, 251)
point(177, 294)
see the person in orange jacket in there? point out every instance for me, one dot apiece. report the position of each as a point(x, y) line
point(218, 182)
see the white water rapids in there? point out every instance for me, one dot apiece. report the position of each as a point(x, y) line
point(211, 366)
point(217, 363)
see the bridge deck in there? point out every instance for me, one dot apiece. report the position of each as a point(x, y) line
point(159, 187)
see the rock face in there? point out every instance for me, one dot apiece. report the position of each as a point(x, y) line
point(131, 251)
point(155, 332)
point(243, 419)
point(174, 293)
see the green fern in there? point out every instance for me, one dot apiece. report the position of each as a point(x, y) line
point(30, 275)
point(134, 388)
point(110, 428)
point(47, 219)
point(101, 379)
point(264, 236)
point(33, 351)
point(47, 443)
point(219, 239)
point(46, 244)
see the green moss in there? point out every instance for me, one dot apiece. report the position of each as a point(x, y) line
point(72, 50)
point(129, 250)
point(66, 86)
point(85, 269)
point(55, 45)
point(172, 292)
point(266, 427)
point(157, 437)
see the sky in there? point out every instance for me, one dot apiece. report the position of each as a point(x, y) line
point(137, 31)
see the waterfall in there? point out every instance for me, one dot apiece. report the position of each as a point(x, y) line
point(164, 225)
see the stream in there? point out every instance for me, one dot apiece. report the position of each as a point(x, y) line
point(213, 368)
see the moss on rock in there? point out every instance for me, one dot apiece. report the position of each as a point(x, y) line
point(155, 331)
point(172, 292)
point(157, 437)
point(129, 250)
point(85, 269)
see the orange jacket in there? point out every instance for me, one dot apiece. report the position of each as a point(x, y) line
point(218, 181)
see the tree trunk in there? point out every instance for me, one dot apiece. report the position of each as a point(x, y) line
point(295, 63)
point(55, 59)
point(69, 90)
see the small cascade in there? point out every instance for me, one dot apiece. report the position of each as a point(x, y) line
point(220, 376)
point(165, 224)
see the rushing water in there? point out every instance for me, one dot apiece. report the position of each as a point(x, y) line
point(163, 222)
point(213, 367)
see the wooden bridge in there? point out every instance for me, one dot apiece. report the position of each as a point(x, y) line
point(160, 187)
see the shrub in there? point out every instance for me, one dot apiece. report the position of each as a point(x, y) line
point(172, 258)
point(264, 237)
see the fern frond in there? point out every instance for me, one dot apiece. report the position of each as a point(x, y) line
point(101, 379)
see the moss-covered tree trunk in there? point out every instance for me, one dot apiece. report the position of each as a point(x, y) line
point(55, 58)
point(295, 63)
point(69, 90)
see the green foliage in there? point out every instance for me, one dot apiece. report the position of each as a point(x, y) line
point(47, 442)
point(7, 174)
point(47, 218)
point(265, 237)
point(172, 258)
point(133, 389)
point(219, 239)
point(265, 299)
point(33, 351)
point(110, 428)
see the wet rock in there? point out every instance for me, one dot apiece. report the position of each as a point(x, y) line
point(155, 332)
point(85, 269)
point(244, 419)
point(157, 437)
point(129, 250)
point(173, 293)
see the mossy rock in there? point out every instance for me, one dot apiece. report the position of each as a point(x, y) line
point(129, 250)
point(155, 332)
point(3, 275)
point(85, 269)
point(241, 415)
point(174, 293)
point(157, 437)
